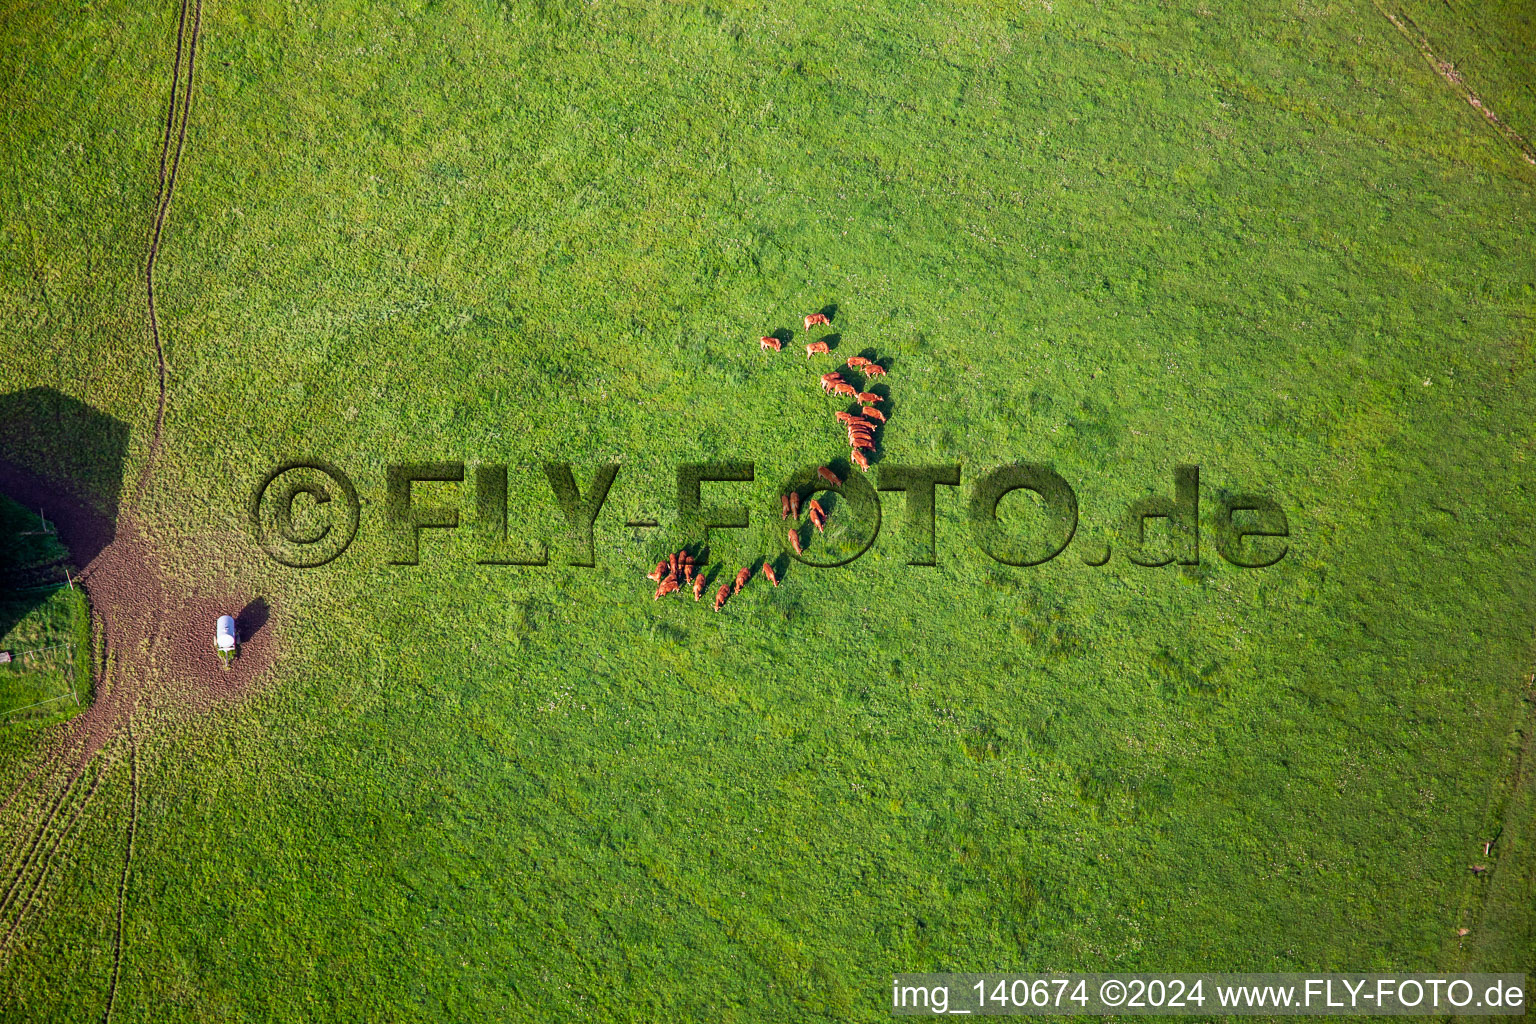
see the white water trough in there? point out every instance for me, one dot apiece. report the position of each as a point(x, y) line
point(224, 634)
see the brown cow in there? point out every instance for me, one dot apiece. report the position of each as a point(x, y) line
point(794, 541)
point(829, 476)
point(794, 504)
point(721, 595)
point(859, 459)
point(667, 586)
point(874, 370)
point(741, 578)
point(817, 319)
point(873, 413)
point(843, 389)
point(698, 586)
point(783, 507)
point(816, 348)
point(770, 344)
point(772, 576)
point(869, 396)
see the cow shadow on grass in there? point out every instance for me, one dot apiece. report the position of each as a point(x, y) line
point(62, 460)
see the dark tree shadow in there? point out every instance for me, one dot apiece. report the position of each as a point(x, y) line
point(60, 457)
point(254, 616)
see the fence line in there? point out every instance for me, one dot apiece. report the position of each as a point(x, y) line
point(40, 703)
point(69, 672)
point(40, 650)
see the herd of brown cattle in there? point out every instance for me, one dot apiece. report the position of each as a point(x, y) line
point(861, 427)
point(679, 569)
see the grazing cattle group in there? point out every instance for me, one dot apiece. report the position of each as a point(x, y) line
point(862, 427)
point(818, 516)
point(677, 571)
point(680, 568)
point(673, 571)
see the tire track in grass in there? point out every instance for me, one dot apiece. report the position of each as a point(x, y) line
point(33, 848)
point(58, 751)
point(43, 770)
point(31, 899)
point(178, 114)
point(29, 837)
point(122, 885)
point(24, 836)
point(170, 163)
point(1494, 907)
point(32, 851)
point(102, 681)
point(1447, 71)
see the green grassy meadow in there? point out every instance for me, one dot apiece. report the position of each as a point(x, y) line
point(1264, 239)
point(46, 678)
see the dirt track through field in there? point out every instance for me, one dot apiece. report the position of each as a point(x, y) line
point(1447, 71)
point(154, 659)
point(122, 886)
point(31, 900)
point(176, 116)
